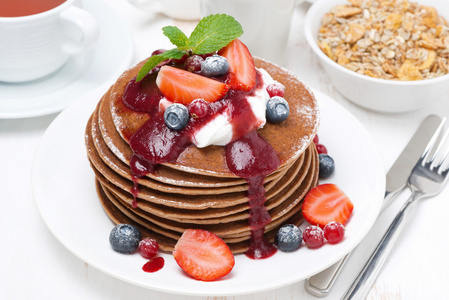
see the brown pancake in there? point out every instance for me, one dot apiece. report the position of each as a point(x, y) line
point(172, 180)
point(208, 214)
point(297, 131)
point(227, 229)
point(215, 216)
point(237, 241)
point(198, 190)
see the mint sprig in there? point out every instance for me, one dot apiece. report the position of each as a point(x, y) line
point(211, 34)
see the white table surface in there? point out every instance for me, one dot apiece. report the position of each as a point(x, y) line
point(34, 265)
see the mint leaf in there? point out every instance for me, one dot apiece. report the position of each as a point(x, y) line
point(176, 36)
point(154, 60)
point(213, 33)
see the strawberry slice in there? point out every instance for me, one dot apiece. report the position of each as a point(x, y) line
point(203, 255)
point(242, 72)
point(183, 87)
point(326, 203)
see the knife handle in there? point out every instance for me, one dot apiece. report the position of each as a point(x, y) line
point(362, 284)
point(319, 285)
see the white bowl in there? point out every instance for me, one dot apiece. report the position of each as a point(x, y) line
point(376, 94)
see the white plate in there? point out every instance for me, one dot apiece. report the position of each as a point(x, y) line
point(82, 74)
point(63, 186)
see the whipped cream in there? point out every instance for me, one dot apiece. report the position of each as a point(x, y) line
point(218, 131)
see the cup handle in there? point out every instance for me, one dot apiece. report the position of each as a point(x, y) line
point(85, 23)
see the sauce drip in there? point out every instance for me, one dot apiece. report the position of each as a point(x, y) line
point(252, 158)
point(154, 265)
point(144, 95)
point(248, 156)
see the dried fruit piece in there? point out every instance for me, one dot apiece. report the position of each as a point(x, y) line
point(430, 60)
point(345, 11)
point(409, 72)
point(356, 32)
point(326, 49)
point(430, 17)
point(393, 21)
point(389, 68)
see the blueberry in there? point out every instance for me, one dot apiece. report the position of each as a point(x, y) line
point(176, 116)
point(277, 109)
point(327, 165)
point(214, 66)
point(288, 238)
point(125, 238)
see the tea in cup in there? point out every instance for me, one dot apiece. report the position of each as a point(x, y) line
point(37, 37)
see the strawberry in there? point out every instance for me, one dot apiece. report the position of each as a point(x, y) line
point(326, 203)
point(183, 87)
point(242, 72)
point(203, 255)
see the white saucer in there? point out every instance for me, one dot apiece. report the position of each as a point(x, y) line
point(81, 74)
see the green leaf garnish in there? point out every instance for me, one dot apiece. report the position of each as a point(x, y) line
point(211, 34)
point(154, 60)
point(176, 36)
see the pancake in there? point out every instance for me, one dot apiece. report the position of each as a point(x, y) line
point(198, 190)
point(235, 233)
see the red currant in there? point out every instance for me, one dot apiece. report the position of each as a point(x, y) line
point(316, 139)
point(321, 149)
point(158, 51)
point(276, 89)
point(313, 236)
point(148, 248)
point(193, 63)
point(334, 232)
point(198, 108)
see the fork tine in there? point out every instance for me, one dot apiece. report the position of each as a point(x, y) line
point(426, 154)
point(445, 156)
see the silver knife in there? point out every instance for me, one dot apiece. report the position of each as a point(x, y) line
point(320, 285)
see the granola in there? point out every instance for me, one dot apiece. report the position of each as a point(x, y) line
point(387, 39)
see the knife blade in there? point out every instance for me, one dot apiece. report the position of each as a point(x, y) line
point(320, 285)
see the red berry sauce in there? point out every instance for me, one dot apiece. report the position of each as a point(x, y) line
point(251, 157)
point(154, 265)
point(248, 155)
point(143, 95)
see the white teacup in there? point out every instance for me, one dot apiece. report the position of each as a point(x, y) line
point(266, 23)
point(37, 45)
point(177, 9)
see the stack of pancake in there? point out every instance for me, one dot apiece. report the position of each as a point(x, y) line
point(198, 190)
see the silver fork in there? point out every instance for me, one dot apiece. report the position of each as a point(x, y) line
point(426, 180)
